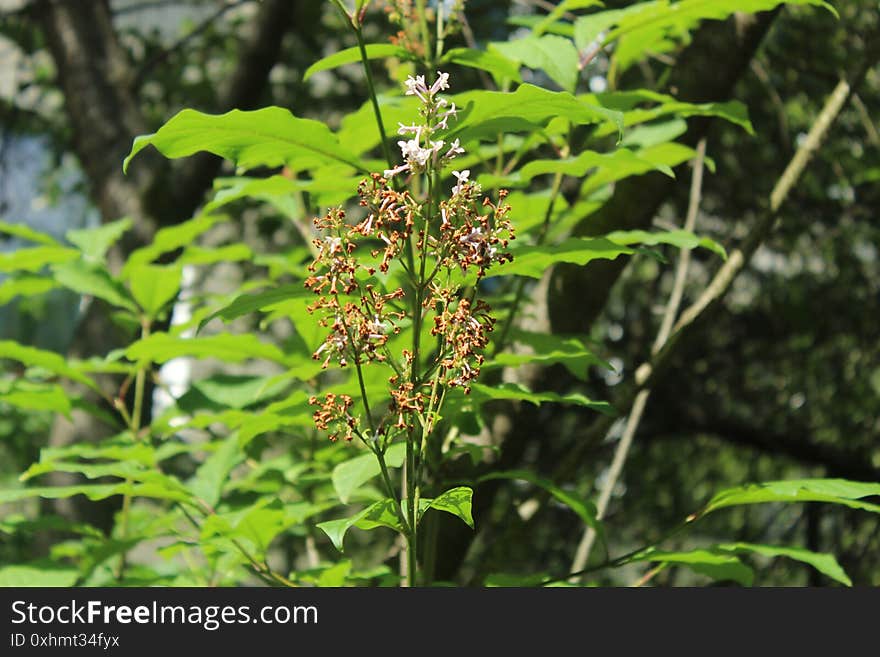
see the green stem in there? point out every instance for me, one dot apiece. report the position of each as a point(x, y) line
point(426, 35)
point(134, 425)
point(365, 61)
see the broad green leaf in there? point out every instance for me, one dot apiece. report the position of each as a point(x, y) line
point(167, 240)
point(153, 286)
point(47, 360)
point(457, 501)
point(95, 492)
point(498, 66)
point(33, 259)
point(825, 563)
point(518, 392)
point(833, 491)
point(36, 397)
point(534, 261)
point(652, 134)
point(588, 29)
point(161, 347)
point(24, 285)
point(546, 349)
point(378, 514)
point(197, 255)
point(488, 113)
point(248, 303)
point(269, 137)
point(336, 574)
point(350, 475)
point(44, 574)
point(664, 105)
point(25, 232)
point(620, 159)
point(585, 509)
point(276, 189)
point(95, 242)
point(93, 280)
point(683, 239)
point(207, 484)
point(351, 55)
point(236, 391)
point(720, 567)
point(559, 11)
point(659, 26)
point(553, 54)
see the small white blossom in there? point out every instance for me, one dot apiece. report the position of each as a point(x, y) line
point(462, 178)
point(416, 87)
point(440, 84)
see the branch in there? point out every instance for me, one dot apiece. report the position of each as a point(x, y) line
point(648, 372)
point(582, 555)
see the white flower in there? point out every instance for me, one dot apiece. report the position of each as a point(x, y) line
point(416, 87)
point(462, 178)
point(440, 84)
point(454, 149)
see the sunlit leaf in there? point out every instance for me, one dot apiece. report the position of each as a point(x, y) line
point(351, 55)
point(270, 137)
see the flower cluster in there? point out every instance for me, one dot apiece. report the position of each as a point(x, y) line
point(333, 415)
point(421, 152)
point(438, 239)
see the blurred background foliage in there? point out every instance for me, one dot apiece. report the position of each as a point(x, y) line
point(784, 382)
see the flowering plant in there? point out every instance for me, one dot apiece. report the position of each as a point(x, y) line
point(407, 262)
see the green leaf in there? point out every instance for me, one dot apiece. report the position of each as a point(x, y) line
point(833, 491)
point(153, 286)
point(35, 258)
point(95, 492)
point(236, 391)
point(457, 501)
point(24, 285)
point(279, 190)
point(197, 255)
point(25, 232)
point(93, 280)
point(823, 562)
point(683, 239)
point(336, 574)
point(499, 67)
point(95, 242)
point(161, 347)
point(658, 27)
point(553, 54)
point(487, 113)
point(350, 475)
point(629, 103)
point(379, 514)
point(36, 397)
point(265, 300)
point(585, 510)
point(518, 392)
point(47, 360)
point(720, 567)
point(353, 54)
point(269, 137)
point(207, 484)
point(534, 261)
point(44, 574)
point(167, 240)
point(549, 349)
point(618, 161)
point(559, 11)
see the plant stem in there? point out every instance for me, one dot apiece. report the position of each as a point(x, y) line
point(134, 425)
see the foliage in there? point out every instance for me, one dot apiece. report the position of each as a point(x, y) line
point(400, 308)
